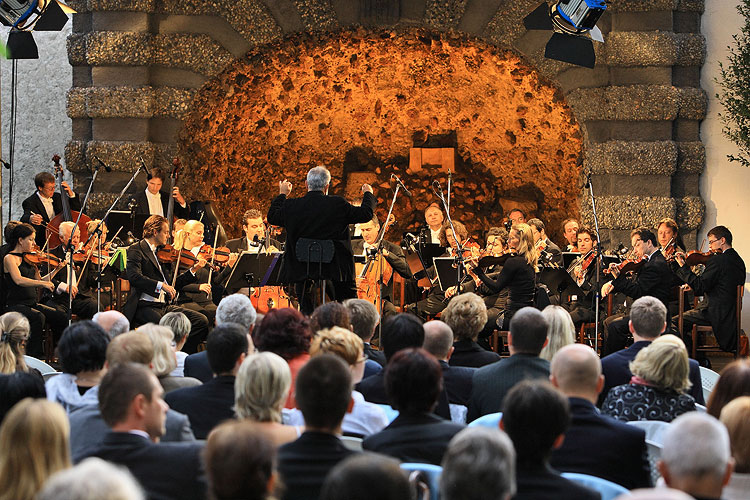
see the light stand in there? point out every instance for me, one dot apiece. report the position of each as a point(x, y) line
point(598, 260)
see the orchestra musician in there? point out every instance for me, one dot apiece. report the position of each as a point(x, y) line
point(176, 226)
point(84, 304)
point(578, 298)
point(543, 243)
point(42, 206)
point(254, 240)
point(653, 278)
point(517, 216)
point(570, 233)
point(433, 216)
point(150, 288)
point(154, 201)
point(667, 232)
point(317, 216)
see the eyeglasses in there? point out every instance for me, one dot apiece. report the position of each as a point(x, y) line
point(711, 242)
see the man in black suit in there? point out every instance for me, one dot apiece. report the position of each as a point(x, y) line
point(84, 304)
point(317, 216)
point(536, 418)
point(491, 383)
point(154, 201)
point(365, 318)
point(42, 206)
point(323, 393)
point(255, 239)
point(130, 400)
point(209, 404)
point(653, 278)
point(724, 272)
point(646, 323)
point(544, 244)
point(438, 341)
point(594, 444)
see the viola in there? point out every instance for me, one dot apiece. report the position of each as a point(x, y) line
point(37, 258)
point(220, 255)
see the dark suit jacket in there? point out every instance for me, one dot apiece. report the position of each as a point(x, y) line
point(141, 206)
point(543, 483)
point(457, 383)
point(165, 470)
point(35, 205)
point(377, 356)
point(492, 382)
point(653, 278)
point(719, 281)
point(471, 354)
point(321, 217)
point(373, 390)
point(304, 463)
point(205, 405)
point(555, 251)
point(616, 371)
point(420, 438)
point(240, 244)
point(603, 447)
point(196, 366)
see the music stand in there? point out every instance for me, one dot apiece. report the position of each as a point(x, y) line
point(128, 221)
point(315, 252)
point(253, 270)
point(446, 272)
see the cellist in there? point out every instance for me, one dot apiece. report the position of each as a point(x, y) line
point(42, 206)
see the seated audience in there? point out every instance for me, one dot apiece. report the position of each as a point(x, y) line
point(696, 457)
point(164, 360)
point(260, 391)
point(18, 386)
point(180, 326)
point(733, 382)
point(113, 322)
point(466, 315)
point(209, 404)
point(33, 446)
point(329, 315)
point(413, 381)
point(131, 403)
point(438, 341)
point(366, 476)
point(736, 417)
point(659, 493)
point(480, 463)
point(92, 479)
point(14, 332)
point(658, 389)
point(324, 388)
point(560, 332)
point(576, 372)
point(82, 351)
point(536, 417)
point(240, 462)
point(526, 338)
point(365, 318)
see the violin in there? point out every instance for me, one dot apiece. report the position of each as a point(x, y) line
point(695, 257)
point(168, 254)
point(628, 265)
point(37, 258)
point(220, 255)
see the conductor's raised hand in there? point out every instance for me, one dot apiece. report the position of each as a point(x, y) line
point(285, 187)
point(366, 188)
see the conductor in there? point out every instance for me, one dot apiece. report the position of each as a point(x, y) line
point(317, 216)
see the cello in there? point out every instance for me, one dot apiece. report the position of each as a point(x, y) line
point(67, 215)
point(369, 280)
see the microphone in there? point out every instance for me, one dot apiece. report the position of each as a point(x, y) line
point(439, 191)
point(406, 191)
point(5, 164)
point(106, 167)
point(587, 182)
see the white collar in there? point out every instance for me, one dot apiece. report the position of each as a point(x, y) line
point(43, 198)
point(148, 193)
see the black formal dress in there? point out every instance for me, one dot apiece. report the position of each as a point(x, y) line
point(142, 207)
point(519, 276)
point(33, 204)
point(205, 405)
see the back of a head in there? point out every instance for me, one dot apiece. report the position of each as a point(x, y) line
point(285, 332)
point(83, 347)
point(663, 364)
point(163, 361)
point(696, 445)
point(113, 322)
point(121, 384)
point(438, 339)
point(130, 347)
point(363, 316)
point(733, 382)
point(339, 341)
point(323, 390)
point(466, 314)
point(528, 330)
point(318, 178)
point(236, 308)
point(366, 476)
point(178, 323)
point(329, 315)
point(14, 333)
point(534, 415)
point(91, 479)
point(576, 369)
point(413, 381)
point(560, 330)
point(400, 332)
point(736, 417)
point(239, 461)
point(17, 386)
point(262, 386)
point(648, 315)
point(225, 345)
point(479, 463)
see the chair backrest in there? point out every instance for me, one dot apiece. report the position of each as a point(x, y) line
point(390, 412)
point(40, 365)
point(654, 429)
point(431, 472)
point(49, 375)
point(458, 413)
point(351, 442)
point(708, 381)
point(491, 420)
point(654, 455)
point(700, 408)
point(607, 489)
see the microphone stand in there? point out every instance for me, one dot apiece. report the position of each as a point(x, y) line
point(459, 248)
point(598, 260)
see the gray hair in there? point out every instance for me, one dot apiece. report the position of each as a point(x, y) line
point(113, 322)
point(695, 445)
point(466, 314)
point(262, 386)
point(236, 308)
point(438, 338)
point(560, 330)
point(479, 463)
point(648, 315)
point(363, 316)
point(164, 360)
point(92, 478)
point(178, 323)
point(318, 178)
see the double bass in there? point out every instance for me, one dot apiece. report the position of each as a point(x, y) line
point(173, 176)
point(67, 215)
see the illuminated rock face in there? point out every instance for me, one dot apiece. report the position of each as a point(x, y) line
point(357, 101)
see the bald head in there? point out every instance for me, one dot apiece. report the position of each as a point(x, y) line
point(577, 371)
point(438, 339)
point(113, 322)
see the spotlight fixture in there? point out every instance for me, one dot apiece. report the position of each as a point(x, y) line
point(573, 23)
point(25, 16)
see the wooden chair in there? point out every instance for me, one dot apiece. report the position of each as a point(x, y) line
point(706, 333)
point(586, 332)
point(498, 340)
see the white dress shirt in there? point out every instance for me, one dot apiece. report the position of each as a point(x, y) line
point(47, 202)
point(154, 203)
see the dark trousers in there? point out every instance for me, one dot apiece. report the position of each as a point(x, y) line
point(84, 306)
point(39, 315)
point(689, 318)
point(151, 312)
point(617, 331)
point(309, 293)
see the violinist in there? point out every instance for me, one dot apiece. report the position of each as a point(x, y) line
point(154, 201)
point(42, 206)
point(517, 216)
point(570, 233)
point(150, 288)
point(178, 224)
point(84, 304)
point(718, 283)
point(544, 245)
point(578, 297)
point(255, 240)
point(21, 282)
point(667, 233)
point(653, 278)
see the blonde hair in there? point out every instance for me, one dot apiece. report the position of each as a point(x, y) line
point(560, 331)
point(14, 331)
point(181, 236)
point(339, 341)
point(466, 314)
point(736, 417)
point(664, 363)
point(262, 386)
point(526, 247)
point(33, 446)
point(164, 360)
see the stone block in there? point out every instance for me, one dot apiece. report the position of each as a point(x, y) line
point(444, 14)
point(120, 155)
point(693, 103)
point(122, 5)
point(602, 131)
point(689, 212)
point(631, 103)
point(641, 48)
point(317, 15)
point(687, 22)
point(686, 130)
point(120, 129)
point(627, 212)
point(81, 128)
point(641, 21)
point(119, 21)
point(112, 76)
point(686, 76)
point(172, 103)
point(76, 49)
point(640, 76)
point(164, 129)
point(641, 6)
point(177, 78)
point(690, 6)
point(624, 158)
point(691, 157)
point(685, 185)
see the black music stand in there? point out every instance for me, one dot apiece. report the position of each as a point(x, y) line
point(128, 221)
point(254, 270)
point(315, 252)
point(445, 268)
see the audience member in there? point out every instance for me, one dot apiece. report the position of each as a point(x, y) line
point(33, 446)
point(659, 493)
point(576, 372)
point(647, 322)
point(164, 360)
point(329, 315)
point(365, 318)
point(92, 479)
point(413, 381)
point(180, 326)
point(536, 417)
point(366, 476)
point(733, 382)
point(480, 463)
point(438, 341)
point(240, 462)
point(527, 337)
point(736, 417)
point(324, 388)
point(560, 332)
point(82, 352)
point(131, 403)
point(466, 315)
point(286, 332)
point(113, 322)
point(18, 386)
point(14, 332)
point(696, 457)
point(658, 388)
point(209, 404)
point(260, 391)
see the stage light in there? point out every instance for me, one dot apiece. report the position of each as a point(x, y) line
point(574, 26)
point(25, 16)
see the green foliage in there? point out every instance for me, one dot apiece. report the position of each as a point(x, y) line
point(734, 80)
